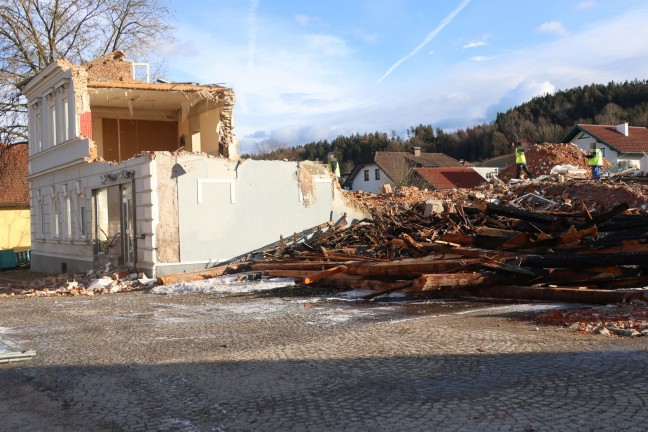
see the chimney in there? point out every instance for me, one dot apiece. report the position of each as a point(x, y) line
point(623, 129)
point(416, 151)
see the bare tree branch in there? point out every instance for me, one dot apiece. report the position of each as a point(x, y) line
point(33, 33)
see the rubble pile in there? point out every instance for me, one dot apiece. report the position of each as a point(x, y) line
point(106, 280)
point(541, 158)
point(630, 319)
point(485, 250)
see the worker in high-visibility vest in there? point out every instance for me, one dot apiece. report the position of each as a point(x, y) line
point(520, 162)
point(595, 161)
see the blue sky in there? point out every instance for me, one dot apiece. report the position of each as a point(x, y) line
point(309, 70)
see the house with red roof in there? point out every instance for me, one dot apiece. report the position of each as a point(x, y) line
point(621, 144)
point(395, 169)
point(15, 229)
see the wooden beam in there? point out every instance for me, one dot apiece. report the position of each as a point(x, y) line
point(398, 286)
point(323, 274)
point(436, 282)
point(308, 265)
point(200, 274)
point(409, 267)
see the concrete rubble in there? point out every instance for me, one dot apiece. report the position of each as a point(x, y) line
point(106, 280)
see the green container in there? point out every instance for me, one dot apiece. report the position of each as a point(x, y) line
point(8, 259)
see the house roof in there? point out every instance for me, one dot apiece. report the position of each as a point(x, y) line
point(498, 161)
point(451, 178)
point(14, 187)
point(635, 142)
point(398, 165)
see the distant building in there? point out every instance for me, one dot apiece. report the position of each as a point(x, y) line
point(396, 169)
point(621, 144)
point(14, 197)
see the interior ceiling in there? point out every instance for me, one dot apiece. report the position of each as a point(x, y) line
point(141, 99)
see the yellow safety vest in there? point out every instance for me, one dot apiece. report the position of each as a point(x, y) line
point(597, 160)
point(520, 158)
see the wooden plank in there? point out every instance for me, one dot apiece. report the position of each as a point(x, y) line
point(436, 282)
point(343, 281)
point(410, 267)
point(397, 287)
point(308, 265)
point(288, 273)
point(200, 274)
point(323, 274)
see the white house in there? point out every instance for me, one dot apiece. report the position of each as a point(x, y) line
point(621, 144)
point(147, 175)
point(396, 169)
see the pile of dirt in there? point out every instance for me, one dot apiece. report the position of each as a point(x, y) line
point(541, 158)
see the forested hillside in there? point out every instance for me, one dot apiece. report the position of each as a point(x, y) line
point(543, 119)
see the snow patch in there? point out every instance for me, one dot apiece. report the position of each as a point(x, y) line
point(224, 284)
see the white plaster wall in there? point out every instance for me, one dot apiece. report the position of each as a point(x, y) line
point(584, 144)
point(373, 185)
point(486, 172)
point(48, 253)
point(243, 207)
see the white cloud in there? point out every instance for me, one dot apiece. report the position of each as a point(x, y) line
point(586, 4)
point(482, 41)
point(481, 58)
point(475, 44)
point(553, 27)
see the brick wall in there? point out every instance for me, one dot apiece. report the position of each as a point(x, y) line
point(111, 67)
point(86, 124)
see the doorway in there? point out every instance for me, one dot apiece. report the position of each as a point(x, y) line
point(114, 225)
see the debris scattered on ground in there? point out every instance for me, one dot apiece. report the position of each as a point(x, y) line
point(105, 280)
point(554, 238)
point(630, 319)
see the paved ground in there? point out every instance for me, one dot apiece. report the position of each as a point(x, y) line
point(210, 363)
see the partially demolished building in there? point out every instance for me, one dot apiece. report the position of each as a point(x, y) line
point(147, 175)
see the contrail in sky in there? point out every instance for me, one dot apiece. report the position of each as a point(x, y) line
point(447, 20)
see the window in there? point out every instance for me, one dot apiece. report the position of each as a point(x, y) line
point(377, 173)
point(68, 217)
point(366, 175)
point(603, 151)
point(51, 116)
point(40, 217)
point(54, 216)
point(65, 119)
point(79, 211)
point(35, 130)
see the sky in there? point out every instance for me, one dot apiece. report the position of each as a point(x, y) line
point(307, 70)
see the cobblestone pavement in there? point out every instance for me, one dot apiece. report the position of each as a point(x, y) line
point(209, 363)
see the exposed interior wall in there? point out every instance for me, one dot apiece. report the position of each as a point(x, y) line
point(167, 231)
point(123, 138)
point(210, 124)
point(15, 230)
point(228, 209)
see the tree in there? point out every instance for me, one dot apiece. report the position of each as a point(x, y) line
point(33, 33)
